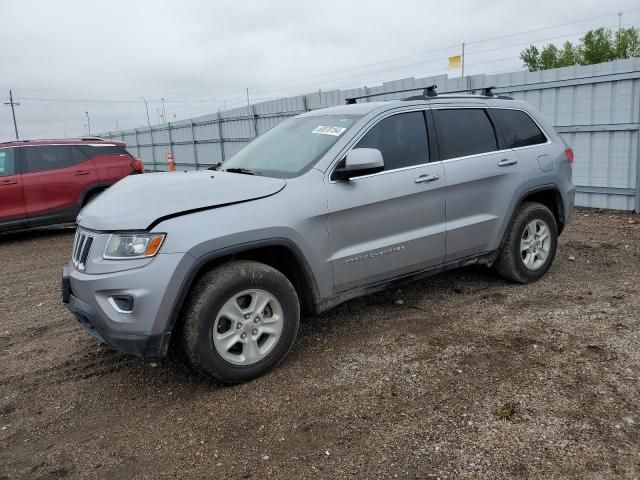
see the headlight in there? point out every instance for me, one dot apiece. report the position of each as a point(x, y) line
point(128, 246)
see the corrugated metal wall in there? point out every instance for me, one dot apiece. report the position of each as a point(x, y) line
point(596, 108)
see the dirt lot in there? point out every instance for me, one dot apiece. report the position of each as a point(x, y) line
point(469, 377)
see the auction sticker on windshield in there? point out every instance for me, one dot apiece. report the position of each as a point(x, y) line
point(328, 130)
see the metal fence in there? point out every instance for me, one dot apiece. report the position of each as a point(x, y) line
point(596, 109)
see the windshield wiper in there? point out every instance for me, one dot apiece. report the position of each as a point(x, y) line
point(244, 171)
point(215, 166)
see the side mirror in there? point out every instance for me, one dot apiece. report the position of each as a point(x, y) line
point(360, 161)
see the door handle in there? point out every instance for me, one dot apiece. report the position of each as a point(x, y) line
point(9, 182)
point(426, 178)
point(507, 162)
point(82, 172)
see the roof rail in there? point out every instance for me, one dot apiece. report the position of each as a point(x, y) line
point(428, 93)
point(91, 139)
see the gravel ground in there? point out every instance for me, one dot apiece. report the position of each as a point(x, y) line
point(467, 377)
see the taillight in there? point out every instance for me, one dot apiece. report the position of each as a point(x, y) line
point(138, 166)
point(569, 154)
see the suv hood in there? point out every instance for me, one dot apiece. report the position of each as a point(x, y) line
point(139, 201)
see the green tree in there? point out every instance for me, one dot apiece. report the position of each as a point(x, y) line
point(531, 58)
point(597, 46)
point(628, 43)
point(569, 55)
point(549, 57)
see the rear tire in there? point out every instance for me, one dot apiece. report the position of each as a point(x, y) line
point(241, 320)
point(530, 246)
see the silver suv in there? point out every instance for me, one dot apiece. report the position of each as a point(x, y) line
point(327, 206)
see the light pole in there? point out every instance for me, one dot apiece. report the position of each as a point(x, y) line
point(146, 105)
point(619, 33)
point(88, 122)
point(153, 150)
point(164, 112)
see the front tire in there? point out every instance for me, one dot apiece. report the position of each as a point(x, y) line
point(241, 320)
point(530, 246)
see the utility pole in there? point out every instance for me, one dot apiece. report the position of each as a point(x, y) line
point(88, 122)
point(164, 112)
point(248, 104)
point(462, 72)
point(13, 112)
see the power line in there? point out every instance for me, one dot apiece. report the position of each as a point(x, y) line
point(556, 26)
point(327, 74)
point(566, 35)
point(107, 100)
point(365, 75)
point(449, 48)
point(201, 104)
point(491, 61)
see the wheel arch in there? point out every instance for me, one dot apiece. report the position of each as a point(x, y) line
point(279, 253)
point(91, 191)
point(548, 195)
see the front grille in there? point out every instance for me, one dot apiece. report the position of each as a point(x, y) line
point(81, 248)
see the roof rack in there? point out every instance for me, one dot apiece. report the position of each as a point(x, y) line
point(428, 93)
point(90, 139)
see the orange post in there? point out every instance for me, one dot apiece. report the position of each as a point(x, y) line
point(172, 166)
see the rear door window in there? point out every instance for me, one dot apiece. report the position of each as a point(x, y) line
point(463, 132)
point(7, 162)
point(401, 138)
point(49, 157)
point(96, 151)
point(517, 128)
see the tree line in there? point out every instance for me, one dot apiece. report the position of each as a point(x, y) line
point(597, 46)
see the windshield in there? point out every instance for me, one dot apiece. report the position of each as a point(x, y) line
point(292, 147)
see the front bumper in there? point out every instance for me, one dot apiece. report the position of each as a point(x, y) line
point(142, 334)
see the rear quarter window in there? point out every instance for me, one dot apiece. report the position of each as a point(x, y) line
point(517, 128)
point(95, 151)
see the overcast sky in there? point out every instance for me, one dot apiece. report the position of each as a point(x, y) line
point(63, 57)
